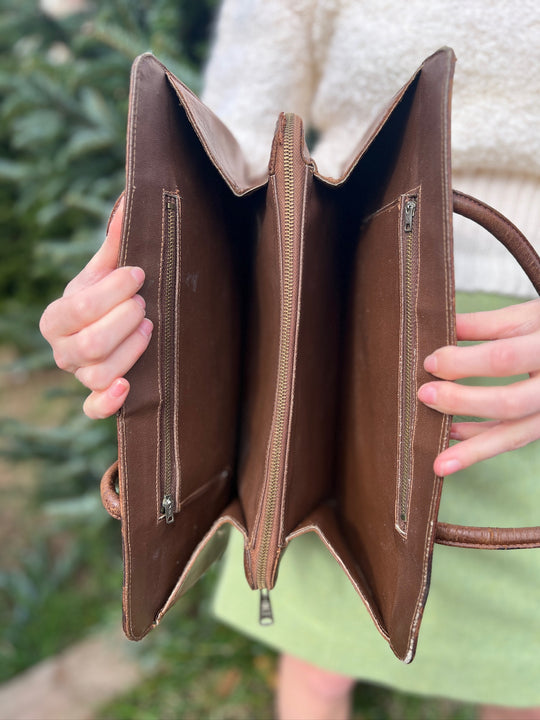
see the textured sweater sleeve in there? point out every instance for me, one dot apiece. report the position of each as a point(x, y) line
point(261, 64)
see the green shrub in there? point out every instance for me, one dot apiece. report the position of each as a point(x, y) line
point(63, 103)
point(64, 89)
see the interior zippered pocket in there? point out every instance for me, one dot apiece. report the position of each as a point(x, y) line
point(169, 473)
point(409, 268)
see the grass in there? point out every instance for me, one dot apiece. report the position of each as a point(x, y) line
point(61, 565)
point(61, 587)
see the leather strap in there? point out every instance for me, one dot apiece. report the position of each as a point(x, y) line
point(109, 493)
point(488, 538)
point(502, 229)
point(491, 538)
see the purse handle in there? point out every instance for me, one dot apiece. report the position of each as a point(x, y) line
point(109, 492)
point(491, 538)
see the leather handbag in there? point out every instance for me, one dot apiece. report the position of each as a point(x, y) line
point(292, 315)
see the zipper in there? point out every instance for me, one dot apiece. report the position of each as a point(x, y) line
point(169, 466)
point(408, 380)
point(266, 616)
point(409, 212)
point(284, 376)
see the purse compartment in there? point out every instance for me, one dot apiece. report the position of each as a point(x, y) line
point(392, 231)
point(178, 430)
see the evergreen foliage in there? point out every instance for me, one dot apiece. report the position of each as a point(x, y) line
point(64, 86)
point(64, 91)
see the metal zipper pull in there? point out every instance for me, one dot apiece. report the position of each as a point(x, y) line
point(408, 214)
point(167, 508)
point(266, 616)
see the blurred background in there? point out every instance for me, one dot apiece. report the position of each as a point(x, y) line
point(64, 77)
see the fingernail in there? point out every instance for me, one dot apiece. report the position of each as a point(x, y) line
point(140, 301)
point(138, 274)
point(430, 363)
point(146, 327)
point(118, 388)
point(427, 394)
point(450, 466)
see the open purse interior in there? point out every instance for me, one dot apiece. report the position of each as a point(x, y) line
point(292, 315)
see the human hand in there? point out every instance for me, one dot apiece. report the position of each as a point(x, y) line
point(513, 410)
point(98, 329)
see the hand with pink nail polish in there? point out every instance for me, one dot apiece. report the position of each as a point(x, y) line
point(98, 328)
point(511, 412)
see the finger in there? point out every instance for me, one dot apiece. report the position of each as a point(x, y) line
point(100, 376)
point(500, 438)
point(466, 430)
point(499, 358)
point(71, 314)
point(96, 342)
point(106, 258)
point(508, 402)
point(99, 405)
point(494, 324)
point(117, 215)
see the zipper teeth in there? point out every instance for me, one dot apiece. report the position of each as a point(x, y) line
point(169, 355)
point(277, 440)
point(409, 375)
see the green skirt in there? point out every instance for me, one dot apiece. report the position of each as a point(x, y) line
point(480, 635)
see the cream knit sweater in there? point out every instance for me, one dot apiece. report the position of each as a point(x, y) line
point(336, 62)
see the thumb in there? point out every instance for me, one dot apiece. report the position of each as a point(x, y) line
point(106, 258)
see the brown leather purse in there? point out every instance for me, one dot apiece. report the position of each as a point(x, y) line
point(292, 315)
